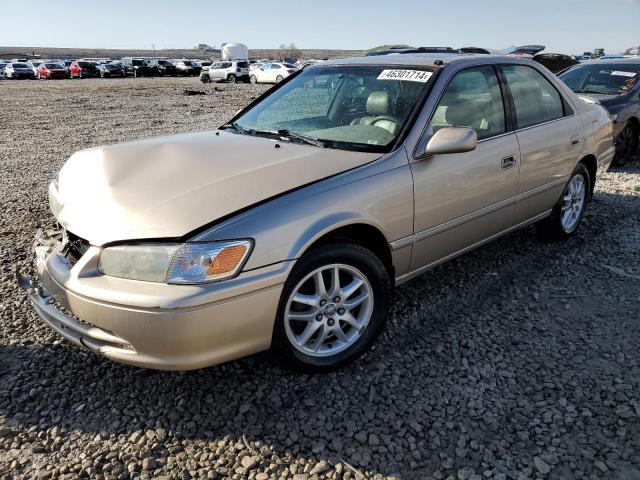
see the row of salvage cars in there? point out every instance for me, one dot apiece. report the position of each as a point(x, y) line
point(287, 228)
point(22, 69)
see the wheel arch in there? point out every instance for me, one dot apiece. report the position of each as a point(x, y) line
point(591, 164)
point(359, 233)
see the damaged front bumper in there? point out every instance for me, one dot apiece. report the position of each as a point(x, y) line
point(54, 315)
point(151, 325)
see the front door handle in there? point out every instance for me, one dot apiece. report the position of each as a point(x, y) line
point(508, 162)
point(575, 140)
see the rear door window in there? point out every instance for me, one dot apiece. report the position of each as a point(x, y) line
point(472, 99)
point(536, 99)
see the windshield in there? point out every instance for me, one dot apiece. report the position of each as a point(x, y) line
point(87, 64)
point(20, 65)
point(608, 79)
point(53, 66)
point(164, 62)
point(348, 107)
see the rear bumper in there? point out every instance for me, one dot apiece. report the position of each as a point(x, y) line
point(166, 327)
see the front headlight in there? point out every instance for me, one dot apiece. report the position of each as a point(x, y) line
point(187, 263)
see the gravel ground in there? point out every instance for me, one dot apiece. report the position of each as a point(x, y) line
point(518, 360)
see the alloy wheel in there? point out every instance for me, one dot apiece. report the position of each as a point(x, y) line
point(328, 310)
point(573, 202)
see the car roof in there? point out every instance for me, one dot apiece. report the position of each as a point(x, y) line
point(436, 60)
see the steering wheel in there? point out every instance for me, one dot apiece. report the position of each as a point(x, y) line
point(384, 118)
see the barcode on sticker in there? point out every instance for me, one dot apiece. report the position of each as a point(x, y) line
point(406, 75)
point(619, 73)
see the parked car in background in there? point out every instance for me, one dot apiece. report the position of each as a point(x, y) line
point(163, 67)
point(19, 71)
point(34, 64)
point(48, 71)
point(219, 245)
point(83, 69)
point(308, 63)
point(111, 70)
point(187, 68)
point(273, 72)
point(615, 84)
point(138, 67)
point(231, 71)
point(556, 62)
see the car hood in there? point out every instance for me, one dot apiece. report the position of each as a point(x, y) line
point(166, 187)
point(602, 98)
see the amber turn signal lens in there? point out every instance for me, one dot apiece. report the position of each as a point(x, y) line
point(227, 260)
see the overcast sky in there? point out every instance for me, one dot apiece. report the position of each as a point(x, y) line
point(568, 26)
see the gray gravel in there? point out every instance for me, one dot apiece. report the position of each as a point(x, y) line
point(518, 360)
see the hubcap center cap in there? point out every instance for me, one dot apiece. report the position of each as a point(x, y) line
point(330, 310)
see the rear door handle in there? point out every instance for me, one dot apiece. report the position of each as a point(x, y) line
point(508, 162)
point(575, 140)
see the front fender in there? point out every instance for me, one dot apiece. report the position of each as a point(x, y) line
point(379, 194)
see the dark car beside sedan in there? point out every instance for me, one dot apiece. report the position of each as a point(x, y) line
point(615, 84)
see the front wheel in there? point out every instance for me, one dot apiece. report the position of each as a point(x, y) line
point(568, 212)
point(332, 308)
point(626, 144)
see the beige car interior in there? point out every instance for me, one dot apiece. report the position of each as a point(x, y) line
point(481, 109)
point(380, 110)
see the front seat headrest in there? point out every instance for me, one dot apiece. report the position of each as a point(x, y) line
point(378, 103)
point(461, 113)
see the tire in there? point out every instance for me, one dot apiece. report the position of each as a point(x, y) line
point(327, 314)
point(627, 144)
point(557, 226)
point(231, 79)
point(253, 79)
point(278, 78)
point(80, 74)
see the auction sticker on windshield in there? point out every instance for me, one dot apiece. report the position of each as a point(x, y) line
point(407, 75)
point(624, 74)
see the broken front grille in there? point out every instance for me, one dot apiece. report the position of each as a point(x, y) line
point(75, 248)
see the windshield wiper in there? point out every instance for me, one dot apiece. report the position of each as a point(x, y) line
point(303, 138)
point(590, 91)
point(237, 128)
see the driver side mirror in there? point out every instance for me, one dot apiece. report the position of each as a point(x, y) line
point(452, 140)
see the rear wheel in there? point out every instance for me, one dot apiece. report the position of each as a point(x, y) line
point(627, 144)
point(278, 78)
point(253, 79)
point(568, 212)
point(231, 79)
point(332, 308)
